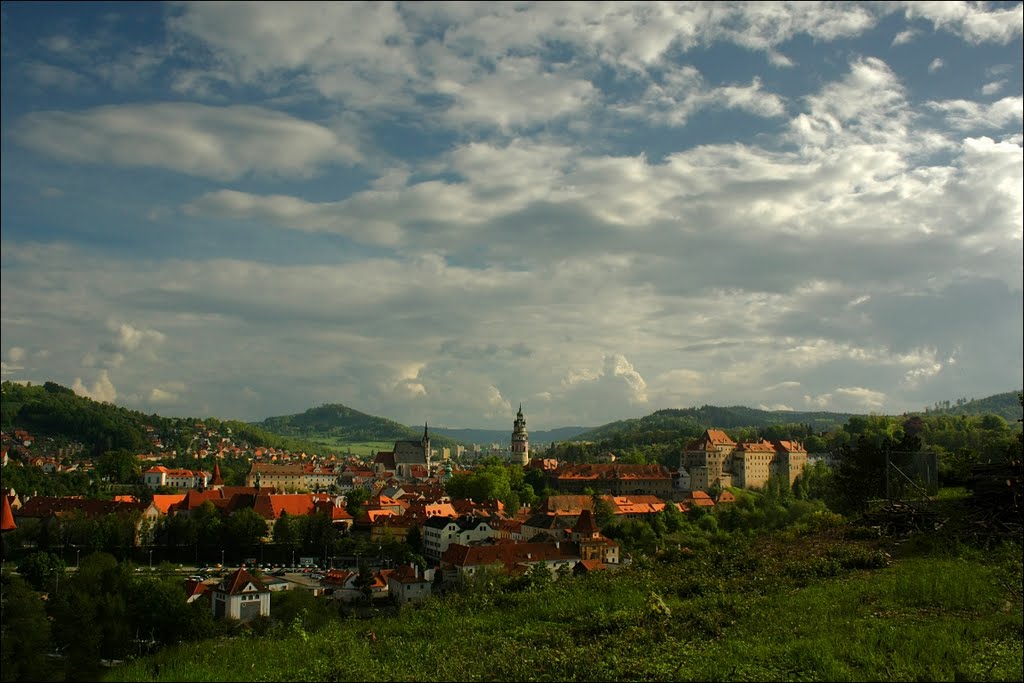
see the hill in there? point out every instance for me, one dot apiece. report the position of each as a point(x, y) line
point(670, 423)
point(62, 417)
point(340, 424)
point(1005, 405)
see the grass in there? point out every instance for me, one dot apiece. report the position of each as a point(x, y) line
point(822, 607)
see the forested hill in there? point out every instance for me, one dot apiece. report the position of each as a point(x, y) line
point(55, 411)
point(1006, 406)
point(343, 424)
point(667, 425)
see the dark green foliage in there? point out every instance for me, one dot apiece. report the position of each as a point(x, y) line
point(26, 632)
point(41, 570)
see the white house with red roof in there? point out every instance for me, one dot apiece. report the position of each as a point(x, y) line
point(240, 596)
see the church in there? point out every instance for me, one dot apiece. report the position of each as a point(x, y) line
point(408, 460)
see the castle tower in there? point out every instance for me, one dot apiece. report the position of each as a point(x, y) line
point(520, 440)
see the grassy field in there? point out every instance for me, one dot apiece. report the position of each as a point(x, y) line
point(824, 606)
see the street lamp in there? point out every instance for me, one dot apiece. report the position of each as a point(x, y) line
point(78, 552)
point(150, 559)
point(222, 557)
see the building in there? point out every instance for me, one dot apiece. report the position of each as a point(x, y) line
point(408, 459)
point(714, 460)
point(297, 477)
point(615, 478)
point(158, 476)
point(441, 532)
point(520, 440)
point(240, 596)
point(461, 560)
point(409, 584)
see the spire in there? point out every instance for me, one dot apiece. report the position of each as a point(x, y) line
point(7, 517)
point(425, 435)
point(217, 480)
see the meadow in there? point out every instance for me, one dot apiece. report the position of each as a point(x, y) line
point(832, 603)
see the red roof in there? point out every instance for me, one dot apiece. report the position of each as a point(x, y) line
point(507, 554)
point(217, 481)
point(590, 472)
point(163, 501)
point(236, 583)
point(7, 517)
point(586, 525)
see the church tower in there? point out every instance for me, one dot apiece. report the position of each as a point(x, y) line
point(426, 448)
point(520, 440)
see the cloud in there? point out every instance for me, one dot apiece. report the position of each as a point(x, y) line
point(15, 354)
point(974, 22)
point(160, 396)
point(993, 87)
point(868, 399)
point(967, 115)
point(342, 217)
point(935, 65)
point(102, 389)
point(904, 37)
point(223, 143)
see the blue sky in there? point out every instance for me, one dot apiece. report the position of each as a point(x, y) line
point(436, 211)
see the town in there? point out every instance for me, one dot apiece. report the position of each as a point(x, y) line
point(230, 536)
point(416, 494)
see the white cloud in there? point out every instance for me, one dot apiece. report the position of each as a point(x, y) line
point(935, 65)
point(15, 354)
point(993, 87)
point(299, 214)
point(160, 396)
point(904, 37)
point(101, 390)
point(974, 22)
point(223, 143)
point(868, 399)
point(130, 338)
point(968, 115)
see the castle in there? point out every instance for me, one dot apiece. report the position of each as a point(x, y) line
point(714, 459)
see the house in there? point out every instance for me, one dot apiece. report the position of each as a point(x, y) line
point(240, 596)
point(460, 560)
point(616, 478)
point(158, 476)
point(409, 584)
point(440, 532)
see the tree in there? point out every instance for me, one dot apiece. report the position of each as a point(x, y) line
point(26, 639)
point(414, 539)
point(42, 571)
point(355, 499)
point(602, 510)
point(119, 466)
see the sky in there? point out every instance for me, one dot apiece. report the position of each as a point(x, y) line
point(434, 212)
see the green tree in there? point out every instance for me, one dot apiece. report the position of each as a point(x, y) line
point(355, 499)
point(41, 570)
point(26, 632)
point(602, 510)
